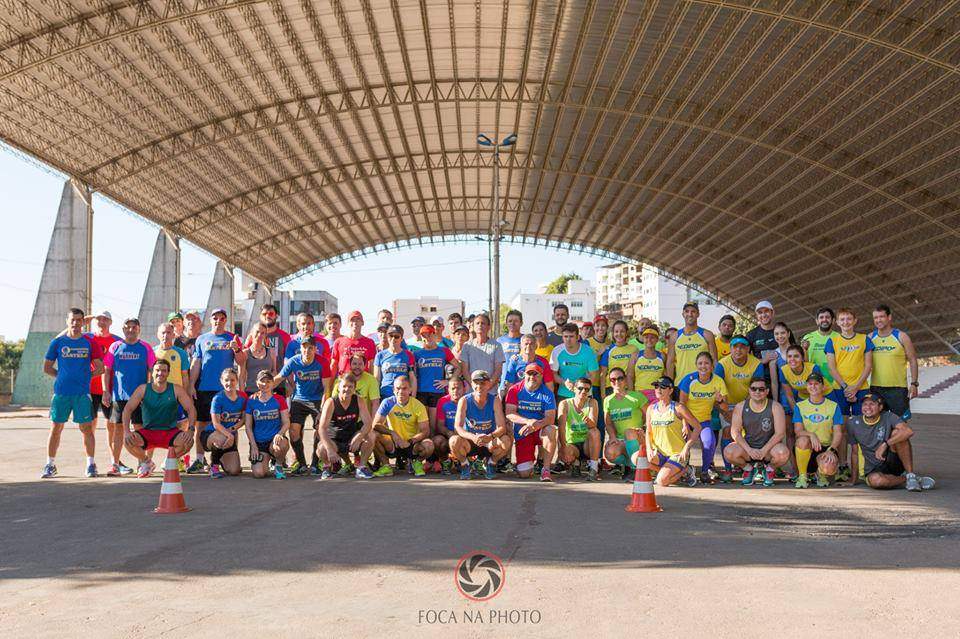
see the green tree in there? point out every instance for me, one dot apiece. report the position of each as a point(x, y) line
point(504, 309)
point(559, 285)
point(10, 353)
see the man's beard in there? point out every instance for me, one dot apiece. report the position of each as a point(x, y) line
point(825, 326)
point(270, 323)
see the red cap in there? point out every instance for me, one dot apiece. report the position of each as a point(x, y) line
point(600, 318)
point(426, 329)
point(533, 367)
point(355, 315)
point(585, 324)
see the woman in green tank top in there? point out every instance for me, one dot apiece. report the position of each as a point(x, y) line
point(579, 437)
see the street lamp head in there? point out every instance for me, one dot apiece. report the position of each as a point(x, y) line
point(483, 140)
point(510, 140)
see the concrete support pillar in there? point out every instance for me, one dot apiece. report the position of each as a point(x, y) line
point(65, 283)
point(221, 294)
point(162, 292)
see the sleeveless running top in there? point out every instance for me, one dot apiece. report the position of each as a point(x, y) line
point(889, 360)
point(345, 422)
point(254, 366)
point(758, 425)
point(686, 349)
point(480, 420)
point(575, 425)
point(666, 429)
point(159, 409)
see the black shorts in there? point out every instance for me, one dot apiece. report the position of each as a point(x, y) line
point(430, 400)
point(96, 405)
point(891, 465)
point(264, 447)
point(896, 399)
point(204, 401)
point(205, 435)
point(581, 449)
point(812, 464)
point(343, 446)
point(300, 409)
point(481, 452)
point(116, 412)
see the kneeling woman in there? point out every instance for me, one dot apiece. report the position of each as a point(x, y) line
point(267, 421)
point(219, 438)
point(668, 440)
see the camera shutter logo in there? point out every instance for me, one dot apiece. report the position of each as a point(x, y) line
point(479, 575)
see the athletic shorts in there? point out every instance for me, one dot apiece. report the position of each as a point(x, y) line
point(264, 448)
point(300, 409)
point(481, 452)
point(891, 465)
point(672, 460)
point(343, 446)
point(430, 400)
point(203, 402)
point(96, 406)
point(158, 438)
point(62, 407)
point(849, 408)
point(896, 399)
point(205, 435)
point(116, 412)
point(526, 448)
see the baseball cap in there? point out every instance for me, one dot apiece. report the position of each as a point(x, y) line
point(600, 318)
point(650, 330)
point(218, 310)
point(814, 377)
point(691, 305)
point(426, 329)
point(461, 329)
point(355, 315)
point(264, 375)
point(739, 339)
point(435, 319)
point(663, 382)
point(480, 375)
point(533, 367)
point(418, 318)
point(876, 398)
point(191, 313)
point(135, 320)
point(383, 327)
point(170, 316)
point(585, 324)
point(109, 316)
point(395, 329)
point(763, 304)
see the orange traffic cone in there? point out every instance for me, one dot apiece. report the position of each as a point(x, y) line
point(643, 499)
point(171, 491)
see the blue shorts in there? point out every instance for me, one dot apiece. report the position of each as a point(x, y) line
point(663, 460)
point(63, 406)
point(847, 408)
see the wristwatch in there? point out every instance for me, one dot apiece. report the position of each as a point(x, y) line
point(915, 383)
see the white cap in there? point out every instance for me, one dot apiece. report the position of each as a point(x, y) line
point(763, 304)
point(435, 319)
point(105, 314)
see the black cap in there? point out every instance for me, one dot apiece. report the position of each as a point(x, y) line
point(815, 377)
point(873, 397)
point(663, 382)
point(383, 327)
point(418, 318)
point(395, 328)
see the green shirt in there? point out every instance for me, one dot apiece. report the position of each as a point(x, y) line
point(575, 425)
point(367, 387)
point(159, 410)
point(815, 354)
point(625, 413)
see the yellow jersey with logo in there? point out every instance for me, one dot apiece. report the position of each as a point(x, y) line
point(615, 357)
point(850, 354)
point(404, 420)
point(889, 360)
point(647, 370)
point(723, 347)
point(598, 346)
point(818, 419)
point(700, 395)
point(545, 351)
point(797, 382)
point(666, 429)
point(685, 349)
point(179, 363)
point(737, 377)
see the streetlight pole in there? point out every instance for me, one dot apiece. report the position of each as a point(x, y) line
point(495, 224)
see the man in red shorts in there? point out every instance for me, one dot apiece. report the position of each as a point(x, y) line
point(532, 410)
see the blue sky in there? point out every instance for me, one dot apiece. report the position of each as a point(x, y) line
point(123, 244)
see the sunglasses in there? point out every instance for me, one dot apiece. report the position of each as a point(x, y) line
point(584, 388)
point(394, 335)
point(617, 379)
point(662, 386)
point(757, 389)
point(532, 374)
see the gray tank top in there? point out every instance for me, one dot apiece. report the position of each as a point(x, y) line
point(757, 426)
point(254, 366)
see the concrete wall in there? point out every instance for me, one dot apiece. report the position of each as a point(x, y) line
point(65, 283)
point(161, 295)
point(221, 295)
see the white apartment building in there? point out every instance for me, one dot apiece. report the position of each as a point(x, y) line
point(580, 298)
point(404, 310)
point(618, 285)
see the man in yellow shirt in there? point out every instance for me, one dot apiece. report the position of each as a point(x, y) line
point(404, 428)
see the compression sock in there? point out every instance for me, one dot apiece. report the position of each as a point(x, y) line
point(709, 440)
point(633, 447)
point(298, 451)
point(724, 442)
point(803, 459)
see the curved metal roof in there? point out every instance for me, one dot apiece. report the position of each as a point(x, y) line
point(806, 152)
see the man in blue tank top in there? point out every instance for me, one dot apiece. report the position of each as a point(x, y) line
point(480, 427)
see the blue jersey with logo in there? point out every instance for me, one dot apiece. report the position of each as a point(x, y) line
point(510, 345)
point(392, 366)
point(229, 411)
point(480, 420)
point(430, 365)
point(266, 416)
point(131, 364)
point(447, 411)
point(215, 353)
point(530, 404)
point(73, 358)
point(307, 378)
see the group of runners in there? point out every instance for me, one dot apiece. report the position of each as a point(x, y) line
point(445, 397)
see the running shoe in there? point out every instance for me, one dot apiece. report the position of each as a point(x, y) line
point(629, 475)
point(91, 470)
point(113, 471)
point(50, 470)
point(502, 465)
point(345, 470)
point(479, 467)
point(725, 475)
point(559, 467)
point(278, 472)
point(314, 469)
point(437, 467)
point(325, 474)
point(145, 469)
point(746, 479)
point(927, 483)
point(913, 483)
point(418, 470)
point(706, 477)
point(545, 475)
point(768, 477)
point(363, 472)
point(216, 472)
point(124, 469)
point(299, 470)
point(801, 481)
point(181, 467)
point(465, 471)
point(843, 473)
point(792, 478)
point(822, 481)
point(491, 471)
point(689, 477)
point(576, 470)
point(592, 474)
point(385, 470)
point(509, 469)
point(618, 471)
point(445, 466)
point(198, 467)
point(538, 466)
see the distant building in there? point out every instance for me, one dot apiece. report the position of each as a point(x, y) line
point(289, 304)
point(580, 298)
point(404, 310)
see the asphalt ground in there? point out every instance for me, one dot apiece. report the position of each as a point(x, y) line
point(351, 558)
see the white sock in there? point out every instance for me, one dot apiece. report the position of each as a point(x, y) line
point(50, 460)
point(593, 464)
point(90, 460)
